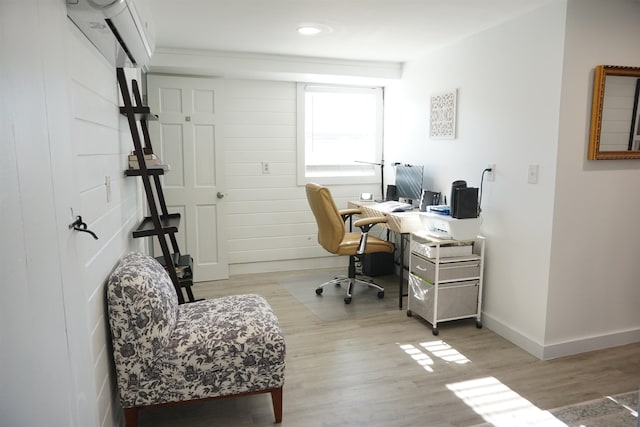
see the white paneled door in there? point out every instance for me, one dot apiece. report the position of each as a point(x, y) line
point(188, 138)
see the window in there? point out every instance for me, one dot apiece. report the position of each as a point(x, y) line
point(339, 134)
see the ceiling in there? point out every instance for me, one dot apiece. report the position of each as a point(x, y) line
point(365, 30)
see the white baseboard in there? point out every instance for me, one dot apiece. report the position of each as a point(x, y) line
point(582, 345)
point(560, 349)
point(518, 338)
point(289, 265)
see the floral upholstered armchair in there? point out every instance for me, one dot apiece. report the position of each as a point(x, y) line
point(165, 352)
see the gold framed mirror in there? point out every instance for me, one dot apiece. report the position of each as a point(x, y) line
point(615, 125)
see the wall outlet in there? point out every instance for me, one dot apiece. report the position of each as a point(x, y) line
point(491, 176)
point(265, 168)
point(532, 174)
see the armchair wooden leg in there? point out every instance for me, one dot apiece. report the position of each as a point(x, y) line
point(276, 399)
point(131, 417)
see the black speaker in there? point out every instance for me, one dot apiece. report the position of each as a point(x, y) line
point(454, 186)
point(465, 203)
point(392, 193)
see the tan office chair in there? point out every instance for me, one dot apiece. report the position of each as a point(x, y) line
point(334, 238)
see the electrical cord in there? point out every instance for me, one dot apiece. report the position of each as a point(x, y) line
point(481, 189)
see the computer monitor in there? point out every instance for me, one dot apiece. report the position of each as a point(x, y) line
point(409, 181)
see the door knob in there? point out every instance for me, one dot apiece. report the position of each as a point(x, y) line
point(220, 195)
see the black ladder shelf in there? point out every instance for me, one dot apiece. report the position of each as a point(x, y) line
point(160, 223)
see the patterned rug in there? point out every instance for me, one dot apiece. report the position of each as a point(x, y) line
point(611, 411)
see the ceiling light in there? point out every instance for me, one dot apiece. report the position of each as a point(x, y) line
point(309, 30)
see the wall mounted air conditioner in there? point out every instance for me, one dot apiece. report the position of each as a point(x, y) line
point(121, 29)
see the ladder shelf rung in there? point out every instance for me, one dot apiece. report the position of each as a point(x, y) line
point(150, 171)
point(140, 113)
point(169, 225)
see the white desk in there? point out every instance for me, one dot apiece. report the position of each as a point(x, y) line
point(403, 223)
point(400, 222)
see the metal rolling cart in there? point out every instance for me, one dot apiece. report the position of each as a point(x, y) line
point(445, 279)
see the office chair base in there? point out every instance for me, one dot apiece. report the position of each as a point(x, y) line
point(337, 281)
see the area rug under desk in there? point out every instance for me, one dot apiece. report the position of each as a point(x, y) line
point(330, 305)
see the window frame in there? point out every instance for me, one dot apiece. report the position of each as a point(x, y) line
point(344, 177)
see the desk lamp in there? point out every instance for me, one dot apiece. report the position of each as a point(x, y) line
point(381, 164)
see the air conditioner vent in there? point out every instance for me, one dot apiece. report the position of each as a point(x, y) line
point(122, 30)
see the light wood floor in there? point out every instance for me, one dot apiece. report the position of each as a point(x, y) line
point(389, 370)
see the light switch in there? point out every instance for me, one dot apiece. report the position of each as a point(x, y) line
point(107, 187)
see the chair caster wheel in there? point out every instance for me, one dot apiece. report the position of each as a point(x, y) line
point(435, 331)
point(347, 300)
point(478, 324)
point(409, 313)
point(319, 291)
point(381, 294)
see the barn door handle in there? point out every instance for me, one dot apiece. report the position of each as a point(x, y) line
point(79, 225)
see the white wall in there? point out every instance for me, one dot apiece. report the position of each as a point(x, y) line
point(101, 142)
point(594, 292)
point(561, 275)
point(60, 136)
point(35, 373)
point(508, 80)
point(270, 226)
